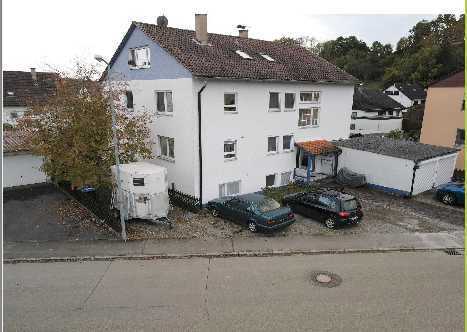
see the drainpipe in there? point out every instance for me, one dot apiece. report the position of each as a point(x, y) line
point(415, 167)
point(200, 149)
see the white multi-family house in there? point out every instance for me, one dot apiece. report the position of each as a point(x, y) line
point(374, 112)
point(232, 114)
point(407, 94)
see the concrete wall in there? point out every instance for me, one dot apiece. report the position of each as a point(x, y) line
point(253, 123)
point(7, 110)
point(443, 116)
point(385, 171)
point(22, 169)
point(377, 125)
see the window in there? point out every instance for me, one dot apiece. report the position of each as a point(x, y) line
point(463, 105)
point(352, 126)
point(230, 102)
point(274, 101)
point(381, 113)
point(390, 112)
point(289, 101)
point(354, 115)
point(230, 150)
point(398, 113)
point(167, 146)
point(139, 57)
point(272, 144)
point(138, 182)
point(270, 180)
point(308, 116)
point(415, 102)
point(395, 93)
point(229, 188)
point(267, 57)
point(389, 93)
point(310, 97)
point(327, 202)
point(460, 137)
point(243, 54)
point(285, 178)
point(287, 143)
point(129, 100)
point(164, 103)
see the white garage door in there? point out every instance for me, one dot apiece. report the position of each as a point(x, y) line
point(22, 169)
point(433, 173)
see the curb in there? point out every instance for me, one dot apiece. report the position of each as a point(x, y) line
point(220, 255)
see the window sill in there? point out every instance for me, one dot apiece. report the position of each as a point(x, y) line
point(289, 110)
point(230, 112)
point(288, 151)
point(308, 126)
point(164, 114)
point(274, 110)
point(168, 159)
point(230, 159)
point(272, 153)
point(142, 67)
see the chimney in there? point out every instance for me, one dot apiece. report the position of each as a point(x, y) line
point(33, 74)
point(242, 31)
point(162, 21)
point(201, 27)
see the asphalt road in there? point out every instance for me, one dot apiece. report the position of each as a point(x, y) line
point(379, 292)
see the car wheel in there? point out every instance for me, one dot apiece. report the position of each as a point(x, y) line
point(214, 212)
point(330, 223)
point(448, 199)
point(252, 226)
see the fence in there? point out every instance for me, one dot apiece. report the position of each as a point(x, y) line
point(185, 201)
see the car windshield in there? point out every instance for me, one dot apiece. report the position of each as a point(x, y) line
point(267, 204)
point(349, 205)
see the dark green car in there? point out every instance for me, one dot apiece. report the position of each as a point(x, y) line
point(256, 211)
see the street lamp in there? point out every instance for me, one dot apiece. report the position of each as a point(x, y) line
point(115, 143)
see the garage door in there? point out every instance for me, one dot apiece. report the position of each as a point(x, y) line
point(445, 170)
point(22, 169)
point(433, 173)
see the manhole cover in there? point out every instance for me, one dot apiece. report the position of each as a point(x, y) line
point(325, 279)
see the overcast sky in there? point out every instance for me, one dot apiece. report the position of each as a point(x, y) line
point(51, 32)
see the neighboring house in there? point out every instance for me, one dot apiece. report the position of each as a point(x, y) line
point(374, 112)
point(228, 111)
point(443, 122)
point(407, 94)
point(402, 167)
point(20, 166)
point(413, 119)
point(20, 89)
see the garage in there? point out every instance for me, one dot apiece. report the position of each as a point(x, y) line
point(20, 166)
point(402, 167)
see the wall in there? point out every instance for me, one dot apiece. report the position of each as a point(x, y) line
point(443, 116)
point(433, 173)
point(7, 114)
point(400, 98)
point(371, 126)
point(22, 169)
point(380, 170)
point(254, 123)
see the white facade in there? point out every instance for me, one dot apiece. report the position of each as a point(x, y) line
point(395, 174)
point(371, 122)
point(401, 98)
point(11, 114)
point(22, 169)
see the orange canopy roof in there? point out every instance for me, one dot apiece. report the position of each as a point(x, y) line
point(317, 147)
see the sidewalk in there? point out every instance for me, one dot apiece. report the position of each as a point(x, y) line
point(261, 246)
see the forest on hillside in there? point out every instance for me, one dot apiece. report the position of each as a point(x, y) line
point(432, 50)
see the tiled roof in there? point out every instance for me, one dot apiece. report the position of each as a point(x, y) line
point(16, 141)
point(373, 100)
point(395, 148)
point(19, 89)
point(218, 58)
point(412, 90)
point(456, 80)
point(317, 147)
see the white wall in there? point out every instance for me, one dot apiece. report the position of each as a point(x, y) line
point(379, 170)
point(22, 169)
point(180, 125)
point(254, 123)
point(371, 126)
point(400, 98)
point(434, 172)
point(7, 114)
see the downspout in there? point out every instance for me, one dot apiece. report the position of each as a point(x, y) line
point(415, 167)
point(200, 149)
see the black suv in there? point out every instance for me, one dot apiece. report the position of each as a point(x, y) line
point(328, 206)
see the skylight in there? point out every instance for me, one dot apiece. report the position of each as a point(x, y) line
point(267, 57)
point(243, 54)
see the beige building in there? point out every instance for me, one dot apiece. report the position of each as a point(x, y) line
point(443, 122)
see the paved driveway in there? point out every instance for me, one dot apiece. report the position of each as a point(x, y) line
point(43, 213)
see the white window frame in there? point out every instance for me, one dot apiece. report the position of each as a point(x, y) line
point(277, 145)
point(165, 92)
point(279, 101)
point(312, 122)
point(353, 125)
point(282, 178)
point(267, 57)
point(291, 148)
point(354, 115)
point(167, 142)
point(266, 180)
point(234, 106)
point(313, 101)
point(286, 109)
point(224, 191)
point(145, 64)
point(234, 142)
point(243, 54)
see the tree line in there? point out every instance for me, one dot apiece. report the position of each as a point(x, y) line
point(432, 50)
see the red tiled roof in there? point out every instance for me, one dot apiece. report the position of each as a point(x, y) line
point(317, 147)
point(16, 141)
point(218, 58)
point(456, 80)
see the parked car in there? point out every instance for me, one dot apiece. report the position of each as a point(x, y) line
point(329, 206)
point(256, 211)
point(451, 193)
